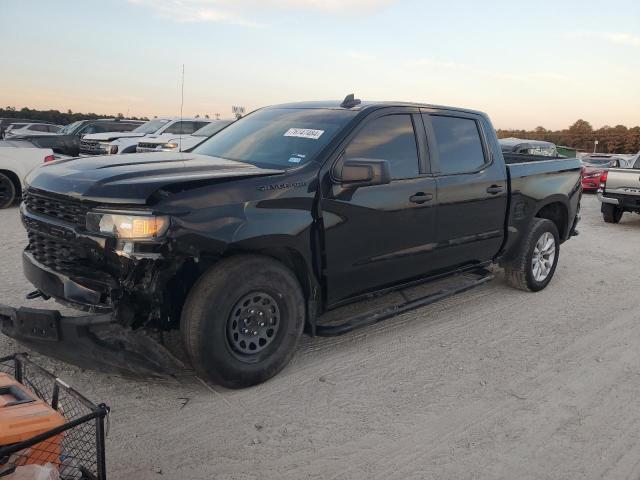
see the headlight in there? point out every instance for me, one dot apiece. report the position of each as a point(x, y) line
point(124, 225)
point(107, 148)
point(170, 145)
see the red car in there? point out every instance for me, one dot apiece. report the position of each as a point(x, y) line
point(593, 166)
point(590, 176)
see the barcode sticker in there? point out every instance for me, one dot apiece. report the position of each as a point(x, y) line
point(304, 133)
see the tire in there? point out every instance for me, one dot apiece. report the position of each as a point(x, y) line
point(7, 191)
point(611, 213)
point(520, 272)
point(217, 310)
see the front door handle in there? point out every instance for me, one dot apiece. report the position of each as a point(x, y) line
point(495, 189)
point(420, 198)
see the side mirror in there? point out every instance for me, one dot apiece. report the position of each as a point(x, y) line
point(362, 172)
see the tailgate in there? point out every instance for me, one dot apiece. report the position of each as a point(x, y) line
point(623, 181)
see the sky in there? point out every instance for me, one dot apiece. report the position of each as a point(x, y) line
point(526, 64)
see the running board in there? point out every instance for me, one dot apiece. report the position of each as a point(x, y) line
point(369, 318)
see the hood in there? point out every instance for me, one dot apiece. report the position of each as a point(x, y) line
point(162, 138)
point(109, 136)
point(133, 178)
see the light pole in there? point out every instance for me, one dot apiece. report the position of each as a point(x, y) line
point(595, 146)
point(238, 111)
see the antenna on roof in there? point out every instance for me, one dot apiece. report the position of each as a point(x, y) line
point(350, 101)
point(181, 107)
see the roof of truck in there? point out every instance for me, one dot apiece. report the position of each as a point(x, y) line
point(366, 104)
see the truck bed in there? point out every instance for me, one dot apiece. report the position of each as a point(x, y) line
point(512, 158)
point(533, 184)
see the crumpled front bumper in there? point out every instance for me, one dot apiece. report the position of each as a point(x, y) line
point(95, 342)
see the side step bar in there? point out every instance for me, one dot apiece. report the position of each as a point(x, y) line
point(363, 320)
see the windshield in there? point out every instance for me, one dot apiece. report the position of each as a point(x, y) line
point(210, 129)
point(67, 129)
point(152, 126)
point(277, 137)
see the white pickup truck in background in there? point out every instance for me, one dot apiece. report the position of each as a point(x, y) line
point(17, 159)
point(169, 142)
point(111, 143)
point(619, 191)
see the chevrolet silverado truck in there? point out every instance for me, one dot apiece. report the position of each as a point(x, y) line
point(272, 225)
point(67, 140)
point(170, 142)
point(619, 191)
point(112, 143)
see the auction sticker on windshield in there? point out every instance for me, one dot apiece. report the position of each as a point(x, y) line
point(304, 133)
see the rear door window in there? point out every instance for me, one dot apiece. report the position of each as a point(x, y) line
point(390, 138)
point(459, 144)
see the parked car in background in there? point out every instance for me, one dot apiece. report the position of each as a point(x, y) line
point(168, 143)
point(16, 130)
point(112, 143)
point(528, 147)
point(619, 192)
point(593, 167)
point(67, 140)
point(6, 121)
point(9, 128)
point(17, 159)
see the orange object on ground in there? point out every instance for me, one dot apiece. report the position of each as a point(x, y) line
point(23, 416)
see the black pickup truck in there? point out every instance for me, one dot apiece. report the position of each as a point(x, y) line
point(265, 229)
point(67, 140)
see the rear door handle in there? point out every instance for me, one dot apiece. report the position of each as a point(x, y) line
point(495, 189)
point(420, 198)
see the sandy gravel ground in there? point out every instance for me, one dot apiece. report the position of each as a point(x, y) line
point(495, 383)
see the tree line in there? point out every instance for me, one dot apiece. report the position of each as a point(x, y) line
point(582, 136)
point(55, 116)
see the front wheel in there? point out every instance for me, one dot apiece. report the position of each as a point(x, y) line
point(7, 191)
point(535, 264)
point(242, 320)
point(611, 213)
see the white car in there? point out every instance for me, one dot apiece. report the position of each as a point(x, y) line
point(17, 130)
point(171, 142)
point(111, 143)
point(17, 159)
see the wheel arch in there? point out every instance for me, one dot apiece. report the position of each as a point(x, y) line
point(13, 176)
point(557, 211)
point(189, 273)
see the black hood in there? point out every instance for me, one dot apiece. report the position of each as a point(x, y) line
point(133, 178)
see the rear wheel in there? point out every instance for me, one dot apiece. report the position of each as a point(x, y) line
point(242, 320)
point(7, 191)
point(611, 213)
point(535, 265)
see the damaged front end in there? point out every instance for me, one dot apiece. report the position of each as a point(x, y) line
point(130, 288)
point(94, 341)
